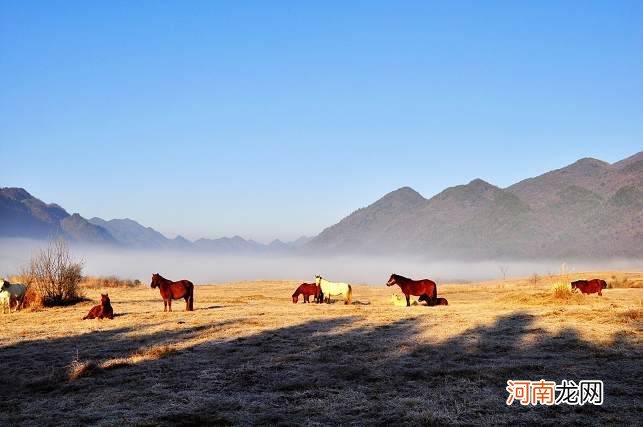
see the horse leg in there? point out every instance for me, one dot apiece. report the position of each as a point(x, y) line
point(169, 304)
point(408, 299)
point(164, 305)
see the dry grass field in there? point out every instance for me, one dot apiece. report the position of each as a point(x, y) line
point(247, 355)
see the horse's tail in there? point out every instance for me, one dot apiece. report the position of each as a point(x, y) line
point(349, 294)
point(435, 292)
point(191, 298)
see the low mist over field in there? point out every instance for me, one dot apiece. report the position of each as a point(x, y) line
point(209, 268)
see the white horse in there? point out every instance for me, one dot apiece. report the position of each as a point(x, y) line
point(16, 291)
point(5, 301)
point(334, 288)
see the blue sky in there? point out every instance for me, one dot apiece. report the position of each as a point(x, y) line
point(276, 119)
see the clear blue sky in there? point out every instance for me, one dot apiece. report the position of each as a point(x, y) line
point(276, 119)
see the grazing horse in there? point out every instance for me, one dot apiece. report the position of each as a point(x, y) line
point(307, 289)
point(174, 290)
point(102, 310)
point(590, 286)
point(16, 291)
point(414, 287)
point(329, 289)
point(438, 301)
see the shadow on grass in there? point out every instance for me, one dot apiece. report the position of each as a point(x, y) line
point(321, 372)
point(67, 302)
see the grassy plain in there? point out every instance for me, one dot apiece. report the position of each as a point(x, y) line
point(247, 355)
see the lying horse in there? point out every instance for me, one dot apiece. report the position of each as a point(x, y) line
point(328, 289)
point(438, 301)
point(400, 301)
point(414, 287)
point(102, 310)
point(16, 291)
point(307, 289)
point(590, 286)
point(174, 290)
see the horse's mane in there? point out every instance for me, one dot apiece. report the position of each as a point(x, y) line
point(397, 276)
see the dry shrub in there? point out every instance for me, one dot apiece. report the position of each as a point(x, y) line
point(109, 282)
point(78, 369)
point(33, 300)
point(561, 290)
point(54, 275)
point(624, 282)
point(633, 314)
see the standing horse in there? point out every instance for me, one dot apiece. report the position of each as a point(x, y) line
point(590, 286)
point(307, 289)
point(16, 291)
point(329, 289)
point(415, 287)
point(174, 290)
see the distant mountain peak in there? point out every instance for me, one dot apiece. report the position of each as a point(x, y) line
point(475, 189)
point(16, 193)
point(481, 184)
point(588, 162)
point(405, 192)
point(277, 244)
point(401, 196)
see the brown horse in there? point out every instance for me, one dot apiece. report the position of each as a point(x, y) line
point(102, 310)
point(174, 290)
point(414, 287)
point(307, 289)
point(590, 286)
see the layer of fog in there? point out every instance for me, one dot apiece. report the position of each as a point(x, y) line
point(209, 268)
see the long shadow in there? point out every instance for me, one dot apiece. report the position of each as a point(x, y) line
point(325, 372)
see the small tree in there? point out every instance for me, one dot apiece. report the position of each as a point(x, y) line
point(54, 274)
point(503, 270)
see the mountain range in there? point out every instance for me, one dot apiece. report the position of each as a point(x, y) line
point(23, 215)
point(587, 209)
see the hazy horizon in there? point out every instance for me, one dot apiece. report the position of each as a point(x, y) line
point(217, 268)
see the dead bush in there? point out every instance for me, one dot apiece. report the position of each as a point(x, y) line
point(624, 282)
point(54, 275)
